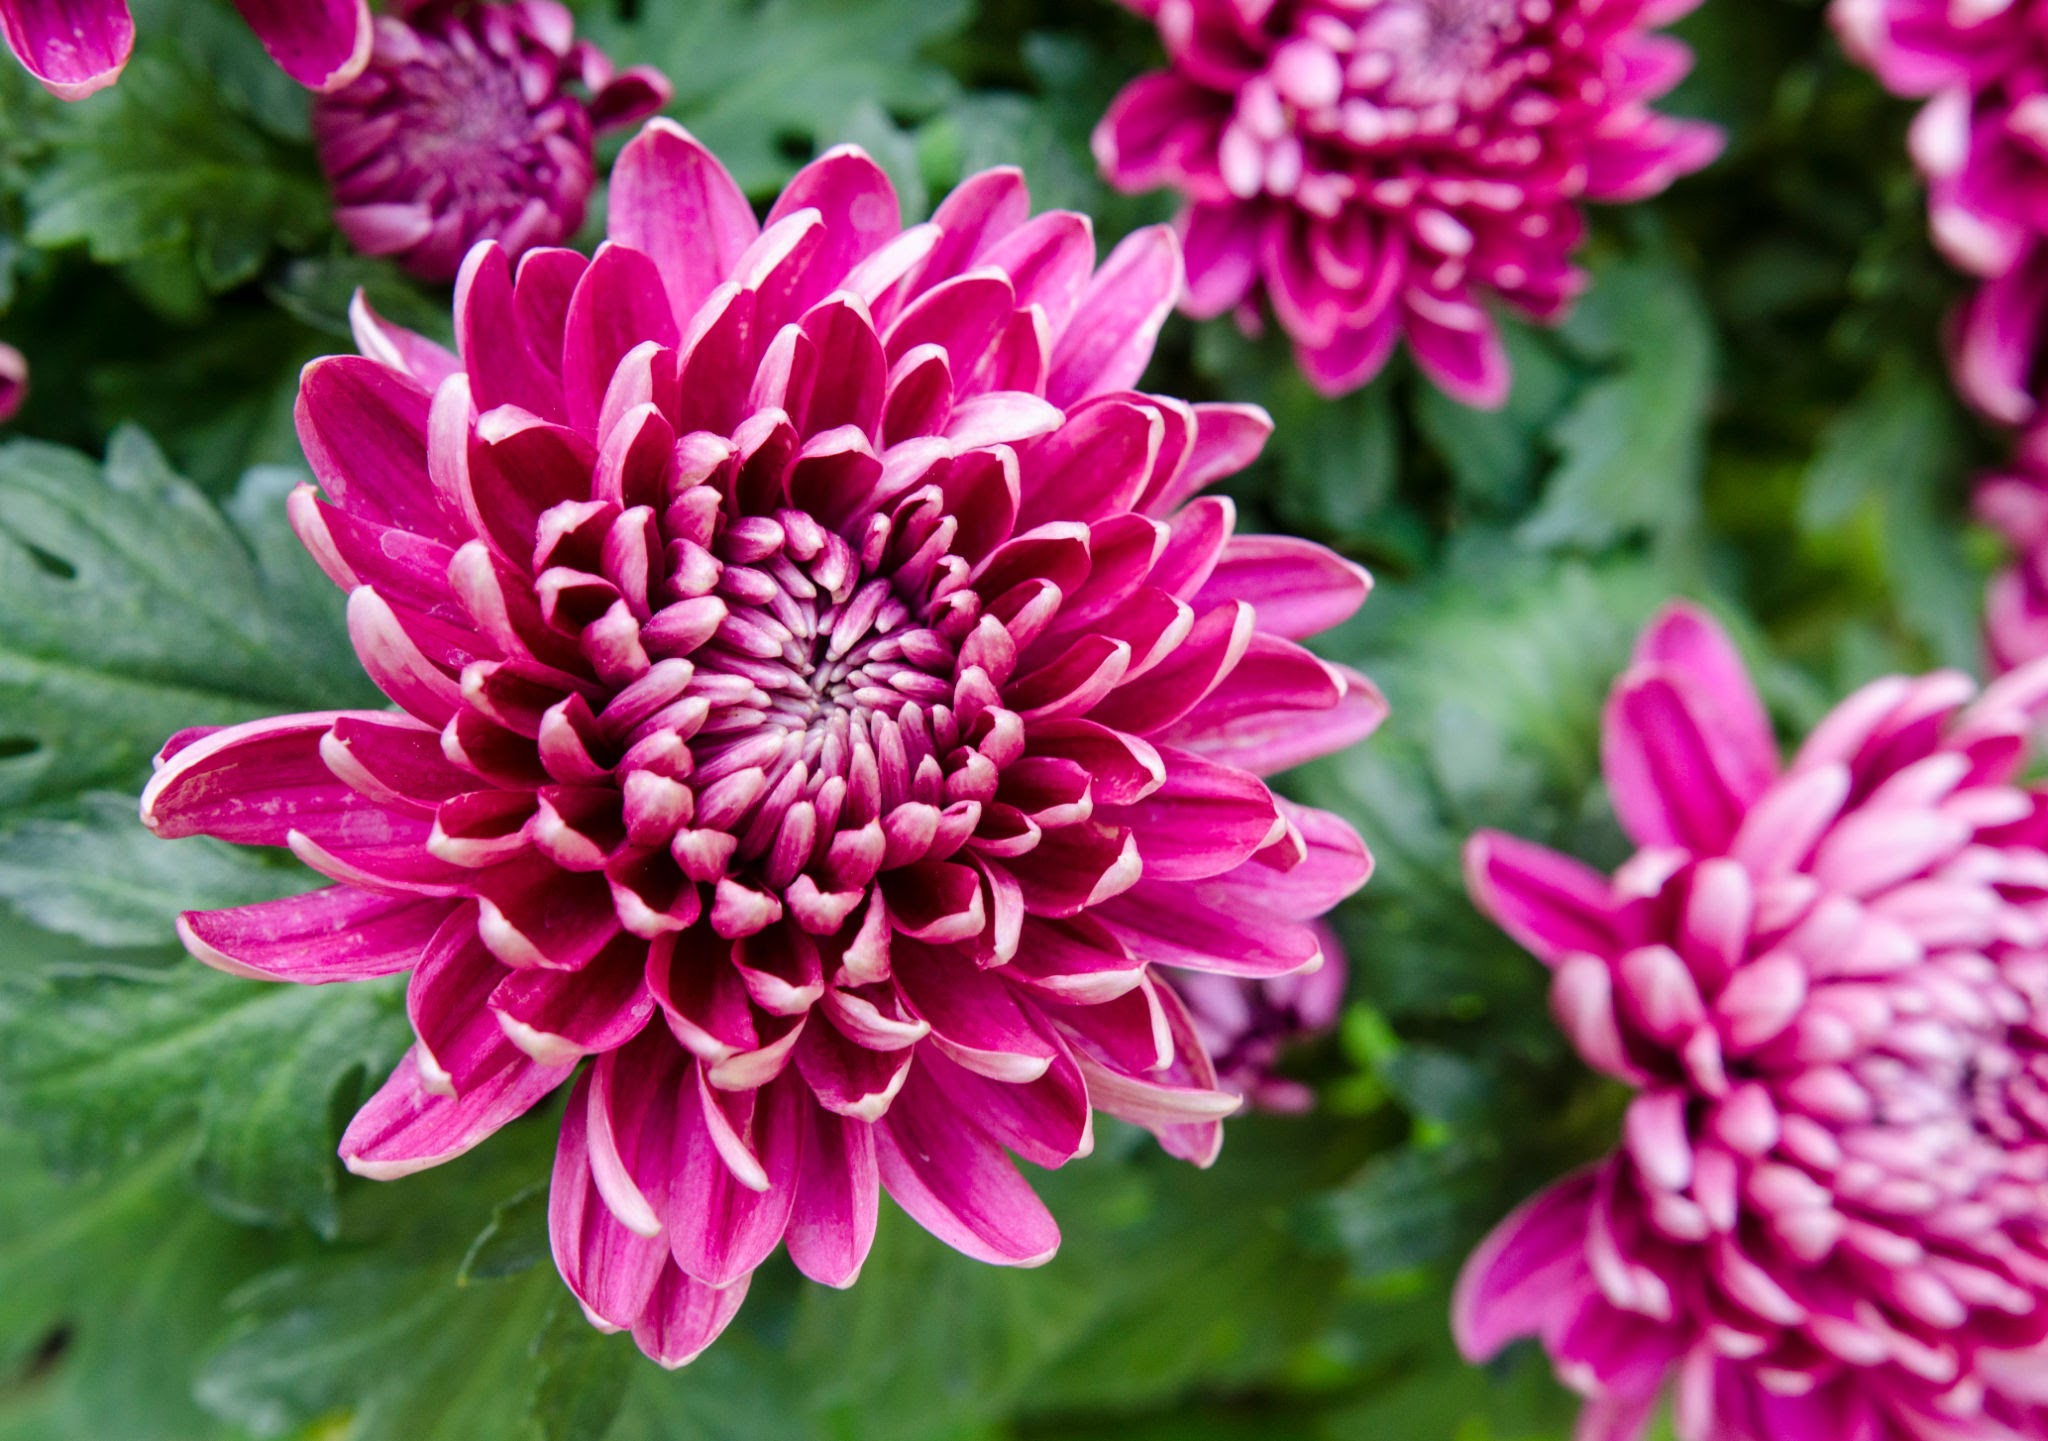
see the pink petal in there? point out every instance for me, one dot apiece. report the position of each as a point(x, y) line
point(684, 1316)
point(832, 1223)
point(722, 1225)
point(364, 429)
point(446, 1000)
point(974, 1016)
point(1205, 819)
point(672, 200)
point(503, 367)
point(860, 211)
point(612, 1271)
point(1109, 341)
point(402, 350)
point(1044, 1121)
point(1676, 776)
point(1297, 587)
point(255, 783)
point(620, 302)
point(556, 1016)
point(1550, 903)
point(322, 44)
point(73, 47)
point(956, 1182)
point(1168, 924)
point(406, 1127)
point(1686, 641)
point(1529, 1270)
point(335, 934)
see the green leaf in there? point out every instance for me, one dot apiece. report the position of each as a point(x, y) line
point(1633, 443)
point(379, 1338)
point(135, 608)
point(112, 1290)
point(160, 169)
point(1893, 457)
point(581, 1376)
point(1495, 456)
point(765, 83)
point(515, 1240)
point(398, 1347)
point(99, 876)
point(102, 1062)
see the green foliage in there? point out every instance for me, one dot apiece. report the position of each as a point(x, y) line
point(135, 608)
point(1748, 407)
point(162, 176)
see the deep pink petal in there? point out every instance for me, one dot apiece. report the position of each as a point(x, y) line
point(407, 1127)
point(322, 44)
point(612, 1270)
point(957, 1183)
point(1551, 903)
point(673, 201)
point(832, 1223)
point(73, 47)
point(1108, 343)
point(335, 934)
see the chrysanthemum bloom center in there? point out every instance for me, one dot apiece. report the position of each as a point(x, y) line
point(462, 117)
point(1879, 1094)
point(820, 704)
point(1378, 78)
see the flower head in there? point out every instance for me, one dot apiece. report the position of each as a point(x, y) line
point(1375, 168)
point(1982, 142)
point(473, 121)
point(825, 700)
point(13, 381)
point(75, 47)
point(1829, 984)
point(1247, 1026)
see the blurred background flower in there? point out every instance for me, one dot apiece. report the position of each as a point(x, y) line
point(1375, 172)
point(1827, 985)
point(473, 121)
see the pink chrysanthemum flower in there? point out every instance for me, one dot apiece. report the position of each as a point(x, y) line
point(1374, 168)
point(13, 381)
point(825, 700)
point(1984, 71)
point(1982, 142)
point(1829, 984)
point(75, 47)
point(2015, 503)
point(473, 121)
point(1248, 1026)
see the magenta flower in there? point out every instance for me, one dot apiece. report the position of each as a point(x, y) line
point(1982, 142)
point(472, 122)
point(13, 381)
point(1984, 70)
point(1374, 168)
point(2016, 606)
point(75, 47)
point(1248, 1025)
point(1827, 983)
point(825, 700)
